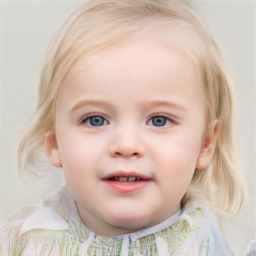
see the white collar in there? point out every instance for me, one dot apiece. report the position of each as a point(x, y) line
point(151, 230)
point(44, 218)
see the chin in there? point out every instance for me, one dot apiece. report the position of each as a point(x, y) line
point(133, 222)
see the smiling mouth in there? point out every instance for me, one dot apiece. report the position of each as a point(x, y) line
point(127, 182)
point(125, 179)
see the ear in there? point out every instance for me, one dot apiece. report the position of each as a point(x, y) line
point(208, 146)
point(52, 149)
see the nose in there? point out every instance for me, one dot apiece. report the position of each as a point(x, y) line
point(127, 143)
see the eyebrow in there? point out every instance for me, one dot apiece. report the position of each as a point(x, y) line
point(89, 102)
point(147, 103)
point(165, 103)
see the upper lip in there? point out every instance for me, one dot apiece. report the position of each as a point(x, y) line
point(126, 174)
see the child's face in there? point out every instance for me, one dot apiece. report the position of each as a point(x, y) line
point(130, 132)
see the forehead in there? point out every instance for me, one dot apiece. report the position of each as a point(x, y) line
point(151, 49)
point(133, 67)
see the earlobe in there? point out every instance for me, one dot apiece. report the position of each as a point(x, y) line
point(52, 149)
point(208, 146)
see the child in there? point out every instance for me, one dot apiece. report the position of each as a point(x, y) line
point(136, 107)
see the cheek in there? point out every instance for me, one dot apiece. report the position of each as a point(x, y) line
point(79, 168)
point(80, 152)
point(178, 168)
point(176, 157)
point(181, 146)
point(178, 173)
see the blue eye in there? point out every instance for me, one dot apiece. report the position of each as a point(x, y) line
point(159, 121)
point(95, 121)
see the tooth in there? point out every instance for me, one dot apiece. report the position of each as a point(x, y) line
point(138, 179)
point(132, 179)
point(116, 178)
point(123, 179)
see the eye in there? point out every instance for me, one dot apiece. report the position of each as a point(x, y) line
point(95, 121)
point(159, 121)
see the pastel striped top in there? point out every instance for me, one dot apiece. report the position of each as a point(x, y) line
point(55, 229)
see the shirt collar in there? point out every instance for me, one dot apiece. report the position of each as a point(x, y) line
point(44, 218)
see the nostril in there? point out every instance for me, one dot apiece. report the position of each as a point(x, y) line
point(127, 152)
point(126, 145)
point(118, 154)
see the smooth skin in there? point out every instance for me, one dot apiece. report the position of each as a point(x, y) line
point(134, 108)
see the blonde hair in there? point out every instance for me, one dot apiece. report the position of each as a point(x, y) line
point(100, 23)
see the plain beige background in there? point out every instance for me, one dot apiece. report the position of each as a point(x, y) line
point(25, 29)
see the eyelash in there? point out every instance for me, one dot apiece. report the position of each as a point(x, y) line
point(102, 121)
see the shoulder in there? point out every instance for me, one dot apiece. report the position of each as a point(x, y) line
point(219, 245)
point(30, 226)
point(208, 231)
point(10, 229)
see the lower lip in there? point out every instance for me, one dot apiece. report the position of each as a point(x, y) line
point(127, 187)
